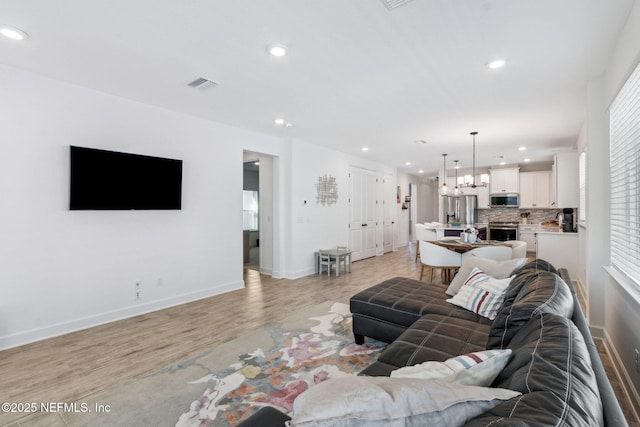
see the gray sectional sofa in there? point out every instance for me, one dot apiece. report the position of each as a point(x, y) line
point(554, 362)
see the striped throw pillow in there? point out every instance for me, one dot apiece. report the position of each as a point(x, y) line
point(481, 294)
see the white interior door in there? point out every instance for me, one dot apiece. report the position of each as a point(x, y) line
point(362, 213)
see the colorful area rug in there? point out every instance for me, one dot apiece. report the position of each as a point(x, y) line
point(222, 387)
point(275, 376)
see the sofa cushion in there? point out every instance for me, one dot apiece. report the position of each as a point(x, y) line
point(402, 301)
point(392, 402)
point(435, 337)
point(538, 265)
point(531, 292)
point(497, 269)
point(551, 366)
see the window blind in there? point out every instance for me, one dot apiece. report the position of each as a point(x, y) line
point(624, 140)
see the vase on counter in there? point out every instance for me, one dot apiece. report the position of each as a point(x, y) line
point(471, 238)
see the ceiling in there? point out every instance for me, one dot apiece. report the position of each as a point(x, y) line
point(356, 73)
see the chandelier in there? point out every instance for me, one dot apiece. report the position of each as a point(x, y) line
point(472, 183)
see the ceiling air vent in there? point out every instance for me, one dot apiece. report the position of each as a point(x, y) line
point(392, 4)
point(202, 83)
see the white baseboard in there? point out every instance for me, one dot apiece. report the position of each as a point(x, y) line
point(627, 385)
point(74, 325)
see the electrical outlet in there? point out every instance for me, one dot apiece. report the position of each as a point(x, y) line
point(137, 290)
point(637, 363)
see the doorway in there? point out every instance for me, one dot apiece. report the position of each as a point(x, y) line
point(251, 213)
point(260, 213)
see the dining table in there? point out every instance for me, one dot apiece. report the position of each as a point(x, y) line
point(457, 245)
point(338, 255)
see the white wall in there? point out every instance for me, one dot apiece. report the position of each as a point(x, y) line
point(614, 309)
point(313, 225)
point(428, 201)
point(65, 270)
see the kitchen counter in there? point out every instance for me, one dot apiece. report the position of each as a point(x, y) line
point(444, 230)
point(439, 226)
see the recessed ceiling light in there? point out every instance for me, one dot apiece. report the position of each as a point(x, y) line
point(13, 32)
point(527, 160)
point(288, 125)
point(496, 63)
point(420, 141)
point(279, 121)
point(365, 148)
point(522, 148)
point(503, 163)
point(408, 164)
point(420, 171)
point(277, 49)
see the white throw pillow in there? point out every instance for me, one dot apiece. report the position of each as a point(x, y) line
point(479, 368)
point(481, 293)
point(497, 269)
point(392, 402)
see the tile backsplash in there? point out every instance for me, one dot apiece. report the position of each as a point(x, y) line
point(536, 216)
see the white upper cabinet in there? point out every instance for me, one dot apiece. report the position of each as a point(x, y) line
point(505, 180)
point(484, 201)
point(535, 189)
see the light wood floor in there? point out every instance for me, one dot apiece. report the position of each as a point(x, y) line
point(73, 366)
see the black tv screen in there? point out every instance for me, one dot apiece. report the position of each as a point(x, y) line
point(109, 180)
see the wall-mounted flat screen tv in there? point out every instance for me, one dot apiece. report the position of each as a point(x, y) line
point(109, 180)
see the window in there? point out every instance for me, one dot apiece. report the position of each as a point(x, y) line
point(624, 164)
point(250, 210)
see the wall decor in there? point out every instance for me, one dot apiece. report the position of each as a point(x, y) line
point(327, 189)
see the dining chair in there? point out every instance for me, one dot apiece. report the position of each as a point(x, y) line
point(423, 233)
point(518, 248)
point(496, 253)
point(325, 259)
point(434, 256)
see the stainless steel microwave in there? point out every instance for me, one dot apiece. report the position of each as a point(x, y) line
point(505, 200)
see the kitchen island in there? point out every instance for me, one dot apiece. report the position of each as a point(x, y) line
point(559, 248)
point(448, 230)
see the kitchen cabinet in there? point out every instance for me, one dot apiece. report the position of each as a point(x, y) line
point(505, 180)
point(527, 233)
point(566, 180)
point(484, 201)
point(535, 189)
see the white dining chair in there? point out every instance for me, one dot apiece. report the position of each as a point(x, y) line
point(434, 256)
point(423, 233)
point(518, 248)
point(496, 253)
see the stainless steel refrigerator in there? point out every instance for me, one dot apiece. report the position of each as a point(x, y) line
point(460, 209)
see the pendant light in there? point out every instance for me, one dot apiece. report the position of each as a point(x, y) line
point(444, 188)
point(456, 190)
